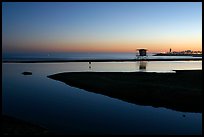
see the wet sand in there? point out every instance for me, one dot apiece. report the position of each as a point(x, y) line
point(179, 91)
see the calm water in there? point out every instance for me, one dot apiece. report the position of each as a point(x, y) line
point(78, 56)
point(70, 110)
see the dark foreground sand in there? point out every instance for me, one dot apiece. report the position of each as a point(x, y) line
point(179, 91)
point(13, 126)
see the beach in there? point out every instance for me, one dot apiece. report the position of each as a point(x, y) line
point(108, 98)
point(179, 91)
point(102, 68)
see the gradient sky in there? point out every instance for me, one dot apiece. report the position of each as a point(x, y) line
point(101, 27)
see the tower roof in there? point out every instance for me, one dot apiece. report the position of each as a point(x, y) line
point(142, 49)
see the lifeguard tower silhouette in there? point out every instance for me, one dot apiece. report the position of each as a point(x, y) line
point(142, 54)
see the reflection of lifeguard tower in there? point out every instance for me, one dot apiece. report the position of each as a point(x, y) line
point(142, 53)
point(142, 66)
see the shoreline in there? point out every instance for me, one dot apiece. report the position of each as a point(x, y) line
point(180, 91)
point(100, 60)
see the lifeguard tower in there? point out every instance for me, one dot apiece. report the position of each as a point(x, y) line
point(141, 53)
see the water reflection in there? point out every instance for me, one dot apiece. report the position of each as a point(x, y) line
point(70, 110)
point(142, 65)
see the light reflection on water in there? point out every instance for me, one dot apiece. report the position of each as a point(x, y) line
point(66, 109)
point(146, 66)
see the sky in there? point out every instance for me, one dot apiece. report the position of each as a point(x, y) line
point(101, 26)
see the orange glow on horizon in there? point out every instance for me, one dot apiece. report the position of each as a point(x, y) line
point(106, 47)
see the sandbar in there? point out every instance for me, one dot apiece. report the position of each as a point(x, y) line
point(180, 91)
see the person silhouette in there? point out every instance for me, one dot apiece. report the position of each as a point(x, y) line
point(89, 64)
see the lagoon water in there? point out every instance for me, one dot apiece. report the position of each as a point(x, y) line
point(69, 110)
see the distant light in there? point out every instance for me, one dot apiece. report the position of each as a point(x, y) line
point(162, 52)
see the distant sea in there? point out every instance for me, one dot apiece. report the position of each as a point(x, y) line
point(78, 56)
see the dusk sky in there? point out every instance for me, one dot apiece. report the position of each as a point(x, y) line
point(101, 27)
